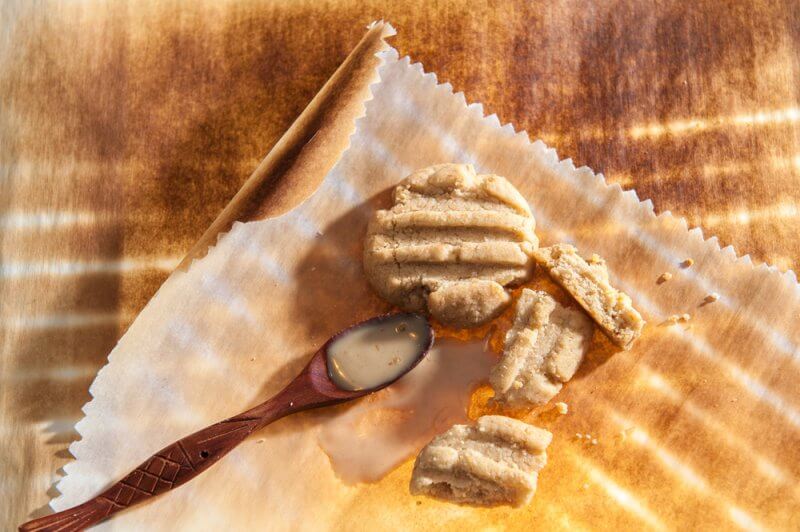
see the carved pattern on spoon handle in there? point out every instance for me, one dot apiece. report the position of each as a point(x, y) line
point(172, 466)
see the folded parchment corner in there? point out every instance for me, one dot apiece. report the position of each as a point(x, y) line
point(299, 161)
point(294, 167)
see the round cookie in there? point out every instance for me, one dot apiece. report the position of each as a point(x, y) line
point(450, 243)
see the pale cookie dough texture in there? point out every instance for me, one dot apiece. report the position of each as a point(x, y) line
point(450, 244)
point(542, 350)
point(588, 283)
point(492, 463)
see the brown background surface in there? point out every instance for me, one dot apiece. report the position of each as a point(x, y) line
point(125, 128)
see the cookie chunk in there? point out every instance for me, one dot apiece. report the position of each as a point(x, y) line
point(588, 283)
point(450, 243)
point(494, 462)
point(542, 350)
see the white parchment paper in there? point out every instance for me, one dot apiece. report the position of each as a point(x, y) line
point(695, 425)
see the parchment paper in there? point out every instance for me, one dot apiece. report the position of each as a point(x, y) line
point(695, 425)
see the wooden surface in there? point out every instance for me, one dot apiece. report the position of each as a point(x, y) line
point(126, 128)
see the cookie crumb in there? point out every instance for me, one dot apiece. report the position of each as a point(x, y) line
point(595, 259)
point(664, 277)
point(710, 298)
point(394, 361)
point(419, 503)
point(687, 263)
point(579, 435)
point(252, 359)
point(586, 486)
point(625, 433)
point(672, 320)
point(684, 318)
point(260, 441)
point(562, 407)
point(594, 441)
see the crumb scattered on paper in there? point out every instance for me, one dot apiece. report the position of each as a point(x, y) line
point(624, 434)
point(664, 277)
point(672, 320)
point(562, 407)
point(687, 263)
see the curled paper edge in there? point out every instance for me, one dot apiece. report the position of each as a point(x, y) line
point(297, 164)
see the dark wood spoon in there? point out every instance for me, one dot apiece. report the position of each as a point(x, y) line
point(186, 458)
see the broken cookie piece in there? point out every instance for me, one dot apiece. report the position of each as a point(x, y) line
point(494, 462)
point(450, 244)
point(542, 350)
point(589, 285)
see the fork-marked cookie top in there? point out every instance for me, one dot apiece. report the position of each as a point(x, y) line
point(494, 462)
point(450, 243)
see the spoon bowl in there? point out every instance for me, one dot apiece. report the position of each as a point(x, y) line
point(186, 458)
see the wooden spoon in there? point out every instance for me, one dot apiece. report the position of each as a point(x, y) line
point(186, 458)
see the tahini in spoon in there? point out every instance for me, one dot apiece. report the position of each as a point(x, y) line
point(357, 361)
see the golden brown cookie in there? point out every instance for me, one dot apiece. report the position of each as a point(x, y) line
point(542, 350)
point(494, 462)
point(450, 243)
point(588, 283)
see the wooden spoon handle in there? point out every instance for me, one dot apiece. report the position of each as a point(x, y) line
point(167, 469)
